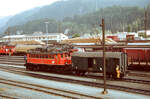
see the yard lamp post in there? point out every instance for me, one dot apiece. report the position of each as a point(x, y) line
point(104, 56)
point(46, 23)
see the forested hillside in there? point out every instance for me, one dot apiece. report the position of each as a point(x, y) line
point(117, 18)
point(81, 16)
point(64, 8)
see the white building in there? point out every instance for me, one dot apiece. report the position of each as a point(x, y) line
point(123, 35)
point(142, 33)
point(54, 37)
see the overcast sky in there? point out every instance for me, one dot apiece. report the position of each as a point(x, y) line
point(11, 7)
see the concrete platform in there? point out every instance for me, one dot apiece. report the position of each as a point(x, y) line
point(87, 90)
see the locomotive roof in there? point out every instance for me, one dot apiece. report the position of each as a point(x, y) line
point(98, 54)
point(52, 53)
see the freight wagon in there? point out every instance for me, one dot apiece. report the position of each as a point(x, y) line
point(116, 63)
point(7, 50)
point(138, 56)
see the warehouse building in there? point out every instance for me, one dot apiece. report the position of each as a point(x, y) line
point(50, 37)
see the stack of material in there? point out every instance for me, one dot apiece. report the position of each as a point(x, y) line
point(110, 41)
point(32, 42)
point(24, 48)
point(82, 40)
point(95, 40)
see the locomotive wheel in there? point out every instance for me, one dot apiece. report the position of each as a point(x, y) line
point(77, 73)
point(27, 67)
point(82, 73)
point(35, 68)
point(38, 67)
point(31, 67)
point(121, 76)
point(109, 75)
point(114, 76)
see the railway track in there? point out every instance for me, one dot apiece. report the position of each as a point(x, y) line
point(15, 60)
point(47, 90)
point(7, 97)
point(19, 61)
point(127, 79)
point(82, 82)
point(94, 77)
point(139, 73)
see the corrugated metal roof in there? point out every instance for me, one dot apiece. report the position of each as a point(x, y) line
point(14, 36)
point(98, 54)
point(138, 43)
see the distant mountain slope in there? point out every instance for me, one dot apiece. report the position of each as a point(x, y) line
point(23, 17)
point(17, 19)
point(3, 22)
point(117, 18)
point(64, 8)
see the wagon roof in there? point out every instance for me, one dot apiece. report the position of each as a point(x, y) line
point(98, 54)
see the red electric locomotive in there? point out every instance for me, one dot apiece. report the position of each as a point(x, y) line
point(48, 59)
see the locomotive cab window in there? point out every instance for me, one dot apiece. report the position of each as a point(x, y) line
point(51, 56)
point(46, 56)
point(55, 56)
point(66, 55)
point(61, 55)
point(69, 54)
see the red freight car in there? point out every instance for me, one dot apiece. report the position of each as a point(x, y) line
point(7, 50)
point(138, 56)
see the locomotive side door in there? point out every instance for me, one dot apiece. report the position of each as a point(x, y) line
point(57, 59)
point(95, 64)
point(91, 62)
point(124, 62)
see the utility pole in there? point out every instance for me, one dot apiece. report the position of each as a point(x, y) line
point(104, 56)
point(8, 32)
point(46, 23)
point(145, 23)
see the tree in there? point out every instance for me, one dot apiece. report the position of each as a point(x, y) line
point(76, 35)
